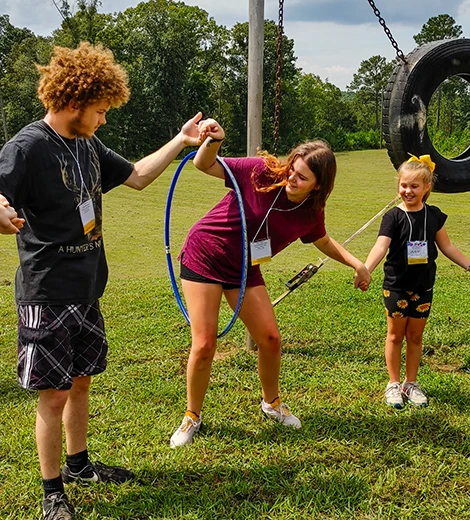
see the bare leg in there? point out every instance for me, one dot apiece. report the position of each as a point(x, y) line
point(203, 302)
point(414, 346)
point(49, 431)
point(395, 334)
point(258, 315)
point(75, 415)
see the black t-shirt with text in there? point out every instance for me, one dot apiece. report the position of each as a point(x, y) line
point(399, 275)
point(45, 177)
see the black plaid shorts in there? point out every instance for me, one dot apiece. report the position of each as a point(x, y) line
point(59, 342)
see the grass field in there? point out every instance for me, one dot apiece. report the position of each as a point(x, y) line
point(353, 458)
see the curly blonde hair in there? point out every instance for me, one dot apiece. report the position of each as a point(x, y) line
point(319, 158)
point(85, 75)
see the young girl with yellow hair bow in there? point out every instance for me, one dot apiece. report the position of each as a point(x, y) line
point(412, 233)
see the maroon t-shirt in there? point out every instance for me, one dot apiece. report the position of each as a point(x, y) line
point(213, 247)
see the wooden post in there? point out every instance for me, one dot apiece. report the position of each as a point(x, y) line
point(254, 121)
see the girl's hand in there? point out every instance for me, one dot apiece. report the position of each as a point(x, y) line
point(10, 223)
point(211, 128)
point(362, 278)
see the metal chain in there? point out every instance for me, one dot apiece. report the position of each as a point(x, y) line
point(399, 52)
point(277, 106)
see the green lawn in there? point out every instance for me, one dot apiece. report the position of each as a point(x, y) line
point(353, 459)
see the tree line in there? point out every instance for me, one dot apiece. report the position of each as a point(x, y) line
point(179, 61)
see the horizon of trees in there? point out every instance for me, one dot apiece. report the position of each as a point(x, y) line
point(180, 61)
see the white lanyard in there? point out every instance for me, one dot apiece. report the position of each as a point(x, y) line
point(85, 208)
point(417, 251)
point(75, 157)
point(272, 208)
point(425, 223)
point(266, 218)
point(261, 249)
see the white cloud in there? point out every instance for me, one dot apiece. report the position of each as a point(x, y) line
point(323, 45)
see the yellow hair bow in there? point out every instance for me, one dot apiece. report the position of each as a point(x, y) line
point(425, 159)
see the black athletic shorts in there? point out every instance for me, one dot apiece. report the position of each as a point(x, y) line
point(187, 274)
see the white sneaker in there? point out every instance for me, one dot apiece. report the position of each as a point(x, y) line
point(414, 394)
point(280, 412)
point(393, 395)
point(185, 433)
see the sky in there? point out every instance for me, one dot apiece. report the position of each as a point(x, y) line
point(331, 37)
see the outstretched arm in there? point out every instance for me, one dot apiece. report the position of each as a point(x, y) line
point(335, 251)
point(448, 249)
point(205, 159)
point(149, 168)
point(10, 223)
point(377, 252)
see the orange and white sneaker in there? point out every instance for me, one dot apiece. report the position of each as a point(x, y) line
point(188, 428)
point(280, 412)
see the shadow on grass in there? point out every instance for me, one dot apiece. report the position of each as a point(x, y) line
point(454, 397)
point(415, 429)
point(234, 493)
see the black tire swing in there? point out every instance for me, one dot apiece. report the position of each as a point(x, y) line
point(406, 100)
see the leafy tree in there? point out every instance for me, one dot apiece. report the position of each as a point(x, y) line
point(10, 36)
point(323, 111)
point(236, 86)
point(174, 55)
point(84, 25)
point(21, 80)
point(369, 83)
point(441, 27)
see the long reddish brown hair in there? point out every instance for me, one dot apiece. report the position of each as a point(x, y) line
point(320, 160)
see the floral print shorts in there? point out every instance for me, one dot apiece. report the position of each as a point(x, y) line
point(407, 304)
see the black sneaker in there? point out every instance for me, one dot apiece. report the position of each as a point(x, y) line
point(97, 473)
point(56, 507)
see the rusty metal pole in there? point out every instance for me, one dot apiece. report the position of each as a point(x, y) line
point(254, 121)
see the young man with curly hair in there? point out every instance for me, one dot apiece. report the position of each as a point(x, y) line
point(52, 176)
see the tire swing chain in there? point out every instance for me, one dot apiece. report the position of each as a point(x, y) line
point(399, 52)
point(241, 209)
point(277, 103)
point(310, 269)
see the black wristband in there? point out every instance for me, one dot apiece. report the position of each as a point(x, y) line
point(214, 140)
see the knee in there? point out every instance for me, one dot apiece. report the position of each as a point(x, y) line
point(53, 400)
point(203, 351)
point(271, 343)
point(395, 339)
point(414, 338)
point(81, 385)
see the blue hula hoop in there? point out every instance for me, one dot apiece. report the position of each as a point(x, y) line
point(171, 271)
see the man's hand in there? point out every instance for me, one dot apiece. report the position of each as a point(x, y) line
point(191, 133)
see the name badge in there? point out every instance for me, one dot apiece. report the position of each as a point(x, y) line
point(260, 251)
point(417, 252)
point(87, 215)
